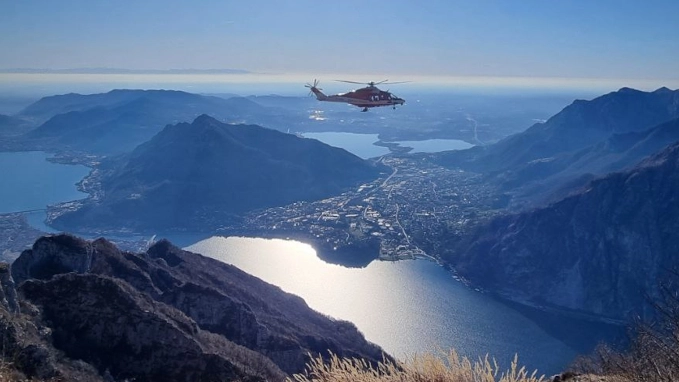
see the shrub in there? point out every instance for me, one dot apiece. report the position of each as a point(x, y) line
point(653, 354)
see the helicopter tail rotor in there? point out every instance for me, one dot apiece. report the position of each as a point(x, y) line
point(314, 89)
point(310, 86)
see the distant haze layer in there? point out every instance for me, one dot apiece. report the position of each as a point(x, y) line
point(37, 83)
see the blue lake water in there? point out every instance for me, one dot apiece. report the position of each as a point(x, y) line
point(406, 307)
point(363, 145)
point(30, 182)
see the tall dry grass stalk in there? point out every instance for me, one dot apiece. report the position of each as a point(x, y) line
point(426, 368)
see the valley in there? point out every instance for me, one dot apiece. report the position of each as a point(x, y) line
point(309, 191)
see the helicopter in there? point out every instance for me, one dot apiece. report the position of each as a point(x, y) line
point(366, 97)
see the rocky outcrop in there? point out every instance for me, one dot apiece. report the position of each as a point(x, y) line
point(59, 254)
point(8, 297)
point(109, 324)
point(168, 314)
point(27, 350)
point(602, 251)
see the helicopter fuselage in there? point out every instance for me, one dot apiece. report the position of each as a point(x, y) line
point(366, 97)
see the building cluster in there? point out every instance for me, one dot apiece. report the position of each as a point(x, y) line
point(406, 211)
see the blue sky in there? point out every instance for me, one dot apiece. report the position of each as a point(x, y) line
point(625, 39)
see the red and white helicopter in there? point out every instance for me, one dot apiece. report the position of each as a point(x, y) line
point(366, 97)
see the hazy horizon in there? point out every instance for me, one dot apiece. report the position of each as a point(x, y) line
point(38, 84)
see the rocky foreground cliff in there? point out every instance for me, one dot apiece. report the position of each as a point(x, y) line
point(82, 310)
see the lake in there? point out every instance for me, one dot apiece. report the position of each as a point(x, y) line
point(30, 182)
point(407, 307)
point(363, 145)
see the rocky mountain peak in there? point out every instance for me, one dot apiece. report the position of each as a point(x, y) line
point(51, 255)
point(662, 90)
point(205, 120)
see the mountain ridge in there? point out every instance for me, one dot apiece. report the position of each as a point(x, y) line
point(626, 110)
point(569, 171)
point(547, 159)
point(188, 172)
point(118, 121)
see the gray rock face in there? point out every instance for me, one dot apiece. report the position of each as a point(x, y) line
point(601, 251)
point(217, 313)
point(26, 347)
point(52, 255)
point(137, 315)
point(148, 342)
point(8, 297)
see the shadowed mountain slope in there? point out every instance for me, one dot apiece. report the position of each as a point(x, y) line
point(600, 251)
point(209, 170)
point(568, 171)
point(579, 125)
point(586, 138)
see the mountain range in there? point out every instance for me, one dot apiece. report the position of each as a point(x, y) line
point(607, 237)
point(202, 173)
point(118, 121)
point(587, 138)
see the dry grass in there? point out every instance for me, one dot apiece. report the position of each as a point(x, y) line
point(428, 368)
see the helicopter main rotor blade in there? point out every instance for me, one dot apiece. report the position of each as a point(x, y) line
point(372, 83)
point(352, 82)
